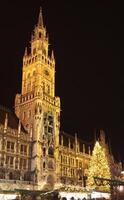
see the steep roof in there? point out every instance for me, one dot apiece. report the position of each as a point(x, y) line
point(12, 118)
point(66, 138)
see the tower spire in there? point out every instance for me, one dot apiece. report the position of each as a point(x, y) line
point(40, 18)
point(6, 123)
point(52, 55)
point(26, 51)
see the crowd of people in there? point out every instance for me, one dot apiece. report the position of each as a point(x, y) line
point(72, 198)
point(57, 197)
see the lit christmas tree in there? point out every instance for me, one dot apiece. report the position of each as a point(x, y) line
point(98, 167)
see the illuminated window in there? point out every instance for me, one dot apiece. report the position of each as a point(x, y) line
point(10, 146)
point(20, 163)
point(23, 163)
point(23, 149)
point(11, 161)
point(7, 160)
point(65, 160)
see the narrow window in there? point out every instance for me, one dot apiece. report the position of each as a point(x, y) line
point(40, 35)
point(29, 114)
point(44, 165)
point(11, 161)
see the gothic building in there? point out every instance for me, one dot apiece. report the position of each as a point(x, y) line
point(34, 154)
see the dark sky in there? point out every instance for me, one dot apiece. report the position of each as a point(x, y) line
point(87, 39)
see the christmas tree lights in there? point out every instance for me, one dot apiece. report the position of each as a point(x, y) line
point(99, 167)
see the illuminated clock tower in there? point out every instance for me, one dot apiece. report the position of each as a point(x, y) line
point(39, 109)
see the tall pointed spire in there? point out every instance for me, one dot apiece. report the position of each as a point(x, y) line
point(52, 55)
point(40, 19)
point(6, 123)
point(19, 127)
point(26, 51)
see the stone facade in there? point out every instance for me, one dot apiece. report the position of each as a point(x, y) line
point(34, 153)
point(15, 151)
point(22, 165)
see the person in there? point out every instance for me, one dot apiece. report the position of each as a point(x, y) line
point(72, 198)
point(64, 198)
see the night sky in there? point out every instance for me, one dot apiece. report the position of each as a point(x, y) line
point(87, 39)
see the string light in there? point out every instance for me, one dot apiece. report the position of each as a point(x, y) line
point(98, 167)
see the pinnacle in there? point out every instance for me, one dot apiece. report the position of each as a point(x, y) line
point(40, 18)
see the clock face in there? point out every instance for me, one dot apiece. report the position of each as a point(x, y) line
point(46, 72)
